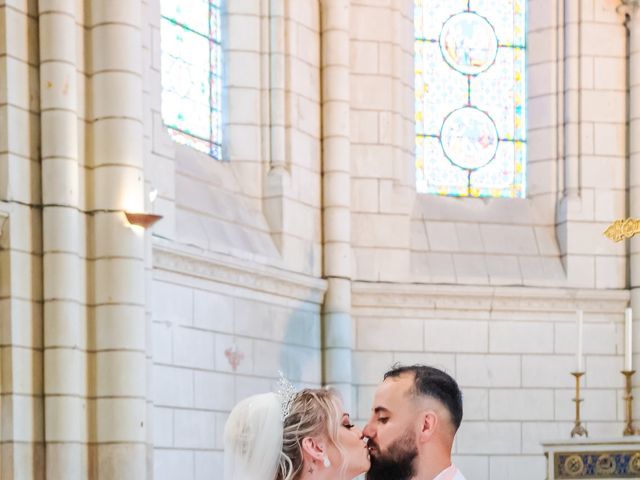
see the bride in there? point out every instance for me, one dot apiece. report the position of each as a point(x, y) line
point(301, 436)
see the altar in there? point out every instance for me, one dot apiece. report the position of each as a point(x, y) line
point(593, 458)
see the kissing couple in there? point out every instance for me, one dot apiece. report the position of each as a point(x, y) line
point(307, 435)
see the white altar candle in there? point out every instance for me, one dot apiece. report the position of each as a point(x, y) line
point(628, 344)
point(579, 357)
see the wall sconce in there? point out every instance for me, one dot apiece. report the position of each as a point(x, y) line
point(144, 220)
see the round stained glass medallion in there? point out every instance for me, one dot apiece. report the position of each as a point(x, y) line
point(469, 138)
point(468, 43)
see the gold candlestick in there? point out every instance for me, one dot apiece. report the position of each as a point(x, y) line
point(628, 399)
point(578, 428)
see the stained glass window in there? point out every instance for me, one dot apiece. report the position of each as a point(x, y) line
point(470, 81)
point(192, 73)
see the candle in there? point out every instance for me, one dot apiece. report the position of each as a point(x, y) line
point(628, 345)
point(579, 357)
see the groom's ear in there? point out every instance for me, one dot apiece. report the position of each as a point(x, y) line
point(313, 448)
point(428, 426)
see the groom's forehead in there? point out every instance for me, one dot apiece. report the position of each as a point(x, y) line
point(393, 390)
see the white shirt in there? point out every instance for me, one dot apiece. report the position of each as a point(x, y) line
point(450, 473)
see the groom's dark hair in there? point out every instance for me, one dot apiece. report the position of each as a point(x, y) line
point(434, 383)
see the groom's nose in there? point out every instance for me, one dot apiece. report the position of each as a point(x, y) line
point(368, 431)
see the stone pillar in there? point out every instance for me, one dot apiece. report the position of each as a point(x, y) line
point(118, 414)
point(64, 340)
point(336, 190)
point(572, 98)
point(633, 25)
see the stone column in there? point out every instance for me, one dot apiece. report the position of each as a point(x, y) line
point(64, 341)
point(572, 98)
point(118, 415)
point(633, 25)
point(336, 190)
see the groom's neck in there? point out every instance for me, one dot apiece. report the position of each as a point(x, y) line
point(432, 462)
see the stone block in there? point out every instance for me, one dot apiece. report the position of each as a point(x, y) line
point(364, 127)
point(610, 73)
point(389, 334)
point(600, 40)
point(370, 23)
point(476, 403)
point(243, 33)
point(534, 433)
point(120, 374)
point(251, 385)
point(442, 236)
point(542, 111)
point(370, 230)
point(603, 372)
point(599, 338)
point(518, 240)
point(521, 467)
point(475, 465)
point(443, 361)
point(162, 427)
point(297, 363)
point(542, 79)
point(369, 367)
point(503, 270)
point(225, 354)
point(208, 465)
point(171, 464)
point(598, 405)
point(120, 420)
point(469, 237)
point(213, 391)
point(488, 371)
point(173, 387)
point(371, 161)
point(471, 269)
point(456, 336)
point(521, 404)
point(489, 438)
point(246, 102)
point(364, 57)
point(580, 271)
point(365, 402)
point(371, 92)
point(512, 337)
point(193, 348)
point(212, 311)
point(194, 429)
point(542, 371)
point(611, 272)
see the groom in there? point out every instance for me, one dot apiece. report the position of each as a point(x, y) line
point(416, 413)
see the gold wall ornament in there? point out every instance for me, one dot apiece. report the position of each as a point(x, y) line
point(622, 229)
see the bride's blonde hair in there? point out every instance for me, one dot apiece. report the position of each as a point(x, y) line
point(313, 413)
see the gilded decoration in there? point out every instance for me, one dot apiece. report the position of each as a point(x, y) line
point(572, 465)
point(622, 229)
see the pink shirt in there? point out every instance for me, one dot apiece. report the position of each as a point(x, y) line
point(450, 473)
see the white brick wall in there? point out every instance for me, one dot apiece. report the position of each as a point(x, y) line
point(512, 356)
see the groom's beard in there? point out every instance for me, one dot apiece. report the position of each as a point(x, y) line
point(397, 462)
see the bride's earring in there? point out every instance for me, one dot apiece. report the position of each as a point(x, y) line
point(326, 462)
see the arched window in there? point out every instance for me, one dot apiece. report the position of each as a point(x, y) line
point(470, 81)
point(192, 73)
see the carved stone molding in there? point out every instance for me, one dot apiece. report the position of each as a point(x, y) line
point(422, 298)
point(245, 273)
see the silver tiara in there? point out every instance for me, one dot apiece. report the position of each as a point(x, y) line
point(287, 393)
